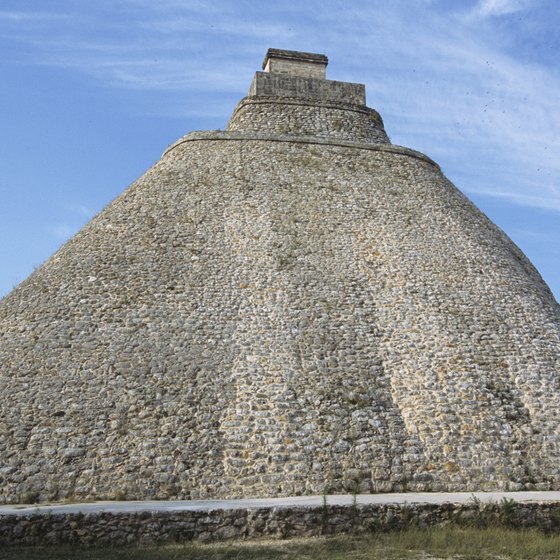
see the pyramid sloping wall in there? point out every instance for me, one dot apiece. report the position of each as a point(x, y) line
point(274, 313)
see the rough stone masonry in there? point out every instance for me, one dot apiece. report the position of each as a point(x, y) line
point(291, 306)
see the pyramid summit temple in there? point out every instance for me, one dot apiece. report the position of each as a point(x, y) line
point(291, 306)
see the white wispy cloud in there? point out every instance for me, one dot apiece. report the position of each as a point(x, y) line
point(31, 17)
point(62, 231)
point(486, 8)
point(80, 210)
point(75, 215)
point(521, 199)
point(542, 238)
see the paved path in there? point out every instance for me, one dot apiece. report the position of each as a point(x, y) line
point(296, 501)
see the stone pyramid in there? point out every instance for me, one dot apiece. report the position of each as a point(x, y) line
point(291, 306)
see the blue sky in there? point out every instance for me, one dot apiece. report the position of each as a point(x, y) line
point(91, 93)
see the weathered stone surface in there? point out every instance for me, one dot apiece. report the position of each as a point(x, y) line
point(264, 313)
point(294, 86)
point(304, 118)
point(295, 63)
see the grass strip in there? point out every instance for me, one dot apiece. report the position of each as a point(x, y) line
point(414, 543)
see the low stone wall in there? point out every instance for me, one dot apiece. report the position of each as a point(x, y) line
point(275, 522)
